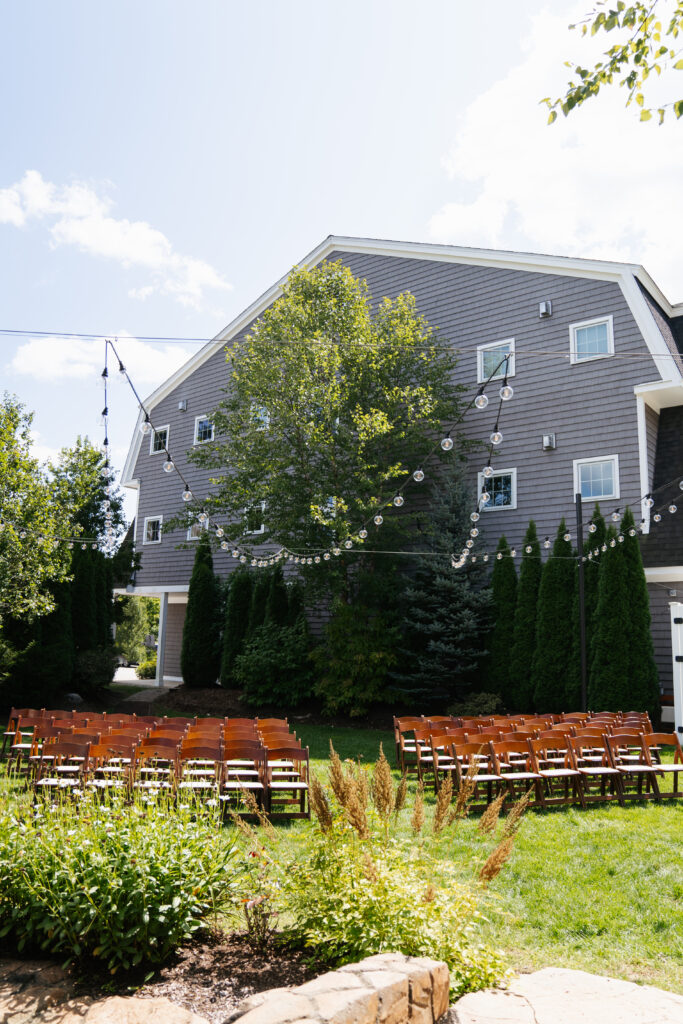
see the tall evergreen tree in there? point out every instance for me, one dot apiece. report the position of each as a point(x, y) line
point(504, 599)
point(53, 669)
point(553, 649)
point(277, 609)
point(608, 685)
point(83, 601)
point(236, 627)
point(259, 598)
point(643, 678)
point(591, 570)
point(520, 692)
point(102, 600)
point(295, 602)
point(446, 614)
point(200, 655)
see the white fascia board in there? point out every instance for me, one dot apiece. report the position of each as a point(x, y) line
point(664, 574)
point(651, 286)
point(152, 591)
point(643, 463)
point(642, 314)
point(660, 394)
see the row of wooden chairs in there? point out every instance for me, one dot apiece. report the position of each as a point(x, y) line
point(560, 768)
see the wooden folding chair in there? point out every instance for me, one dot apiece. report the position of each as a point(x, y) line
point(110, 767)
point(443, 763)
point(406, 746)
point(464, 754)
point(63, 768)
point(551, 758)
point(26, 714)
point(636, 770)
point(653, 744)
point(154, 764)
point(244, 770)
point(602, 782)
point(513, 762)
point(284, 792)
point(200, 769)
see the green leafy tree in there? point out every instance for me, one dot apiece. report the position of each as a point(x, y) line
point(445, 611)
point(504, 603)
point(96, 504)
point(32, 522)
point(591, 571)
point(200, 655)
point(274, 668)
point(236, 627)
point(645, 36)
point(131, 629)
point(519, 696)
point(330, 406)
point(553, 649)
point(608, 682)
point(643, 678)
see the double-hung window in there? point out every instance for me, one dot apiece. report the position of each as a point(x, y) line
point(159, 440)
point(151, 533)
point(597, 479)
point(253, 515)
point(203, 430)
point(591, 339)
point(501, 488)
point(195, 531)
point(491, 361)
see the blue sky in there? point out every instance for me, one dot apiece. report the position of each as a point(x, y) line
point(164, 162)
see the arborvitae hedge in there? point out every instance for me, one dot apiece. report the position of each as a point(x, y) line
point(608, 685)
point(643, 678)
point(504, 598)
point(277, 607)
point(102, 599)
point(83, 601)
point(520, 692)
point(591, 569)
point(259, 598)
point(237, 613)
point(200, 656)
point(553, 649)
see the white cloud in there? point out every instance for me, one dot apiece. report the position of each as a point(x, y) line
point(82, 218)
point(79, 359)
point(597, 184)
point(40, 451)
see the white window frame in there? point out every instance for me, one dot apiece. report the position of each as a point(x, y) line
point(199, 526)
point(574, 358)
point(489, 506)
point(153, 433)
point(197, 421)
point(262, 527)
point(488, 347)
point(597, 458)
point(152, 519)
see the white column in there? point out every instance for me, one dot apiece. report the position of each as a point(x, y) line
point(677, 655)
point(161, 639)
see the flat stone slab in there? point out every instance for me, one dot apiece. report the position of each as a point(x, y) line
point(556, 995)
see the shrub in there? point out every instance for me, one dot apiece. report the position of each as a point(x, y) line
point(124, 884)
point(94, 670)
point(147, 669)
point(477, 705)
point(200, 656)
point(274, 667)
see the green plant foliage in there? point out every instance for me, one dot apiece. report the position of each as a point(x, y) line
point(81, 488)
point(295, 602)
point(200, 656)
point(642, 676)
point(519, 695)
point(131, 629)
point(504, 601)
point(259, 599)
point(123, 884)
point(274, 667)
point(591, 571)
point(277, 605)
point(83, 601)
point(647, 34)
point(94, 670)
point(553, 627)
point(236, 626)
point(608, 682)
point(147, 669)
point(478, 705)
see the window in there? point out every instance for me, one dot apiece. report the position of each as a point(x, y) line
point(196, 530)
point(159, 440)
point(591, 339)
point(260, 416)
point(203, 429)
point(489, 360)
point(598, 478)
point(502, 487)
point(254, 518)
point(151, 533)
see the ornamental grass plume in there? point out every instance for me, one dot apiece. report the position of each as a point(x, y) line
point(382, 787)
point(516, 812)
point(355, 812)
point(401, 793)
point(496, 859)
point(338, 780)
point(465, 792)
point(489, 819)
point(417, 819)
point(443, 802)
point(320, 805)
point(263, 819)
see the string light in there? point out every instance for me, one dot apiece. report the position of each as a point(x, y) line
point(398, 500)
point(447, 443)
point(418, 475)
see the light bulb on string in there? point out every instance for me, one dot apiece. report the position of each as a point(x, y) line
point(487, 471)
point(378, 519)
point(219, 531)
point(326, 556)
point(169, 465)
point(235, 553)
point(398, 500)
point(296, 559)
point(485, 558)
point(680, 485)
point(469, 543)
point(613, 543)
point(672, 509)
point(336, 552)
point(362, 533)
point(317, 559)
point(348, 543)
point(253, 562)
point(187, 494)
point(615, 516)
point(567, 537)
point(70, 545)
point(528, 549)
point(506, 392)
point(484, 497)
point(649, 501)
point(620, 538)
point(145, 426)
point(418, 475)
point(84, 547)
point(224, 545)
point(496, 437)
point(546, 542)
point(499, 556)
point(481, 401)
point(475, 517)
point(473, 559)
point(513, 552)
point(243, 559)
point(22, 534)
point(596, 551)
point(592, 528)
point(657, 517)
point(203, 518)
point(309, 561)
point(447, 443)
point(603, 547)
point(93, 547)
point(474, 532)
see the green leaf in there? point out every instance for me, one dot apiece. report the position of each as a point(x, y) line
point(645, 115)
point(552, 116)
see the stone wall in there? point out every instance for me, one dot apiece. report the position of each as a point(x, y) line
point(385, 989)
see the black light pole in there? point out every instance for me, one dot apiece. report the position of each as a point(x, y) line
point(582, 605)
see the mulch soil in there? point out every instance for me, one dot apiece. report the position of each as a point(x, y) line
point(211, 976)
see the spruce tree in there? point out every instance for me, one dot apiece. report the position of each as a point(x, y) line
point(553, 648)
point(608, 684)
point(643, 679)
point(277, 609)
point(593, 542)
point(520, 693)
point(236, 627)
point(200, 655)
point(504, 600)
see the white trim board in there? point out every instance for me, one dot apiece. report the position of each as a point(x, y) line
point(153, 591)
point(664, 574)
point(623, 274)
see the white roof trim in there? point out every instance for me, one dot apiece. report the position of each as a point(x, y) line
point(622, 273)
point(664, 573)
point(661, 394)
